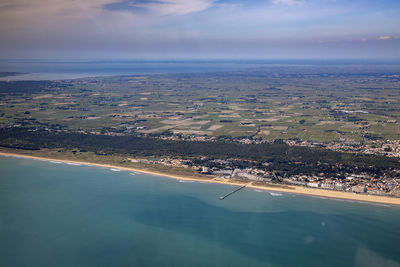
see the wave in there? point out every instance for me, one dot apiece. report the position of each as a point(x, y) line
point(374, 204)
point(75, 164)
point(115, 170)
point(319, 197)
point(275, 194)
point(343, 200)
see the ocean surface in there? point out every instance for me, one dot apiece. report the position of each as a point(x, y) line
point(57, 214)
point(62, 69)
point(57, 70)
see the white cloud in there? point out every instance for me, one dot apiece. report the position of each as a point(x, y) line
point(176, 7)
point(28, 13)
point(301, 2)
point(385, 37)
point(288, 2)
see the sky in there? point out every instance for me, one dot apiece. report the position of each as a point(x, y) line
point(200, 29)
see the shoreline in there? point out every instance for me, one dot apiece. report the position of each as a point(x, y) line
point(292, 189)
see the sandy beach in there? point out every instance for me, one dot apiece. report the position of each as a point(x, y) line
point(290, 189)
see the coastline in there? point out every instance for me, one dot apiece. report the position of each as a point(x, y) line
point(291, 189)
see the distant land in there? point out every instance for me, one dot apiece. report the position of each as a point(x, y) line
point(9, 74)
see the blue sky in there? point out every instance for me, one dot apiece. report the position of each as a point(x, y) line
point(200, 29)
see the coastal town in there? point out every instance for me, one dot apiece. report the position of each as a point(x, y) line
point(360, 183)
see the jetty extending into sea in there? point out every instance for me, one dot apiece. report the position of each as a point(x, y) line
point(230, 193)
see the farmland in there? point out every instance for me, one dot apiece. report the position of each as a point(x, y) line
point(346, 104)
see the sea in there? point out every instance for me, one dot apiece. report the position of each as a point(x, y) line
point(73, 69)
point(59, 214)
point(60, 70)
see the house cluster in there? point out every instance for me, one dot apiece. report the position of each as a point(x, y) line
point(356, 183)
point(388, 148)
point(244, 174)
point(352, 183)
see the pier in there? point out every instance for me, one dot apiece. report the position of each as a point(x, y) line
point(234, 191)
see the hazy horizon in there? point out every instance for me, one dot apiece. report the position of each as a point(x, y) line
point(199, 29)
point(289, 61)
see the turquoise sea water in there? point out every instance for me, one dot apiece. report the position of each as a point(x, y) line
point(55, 214)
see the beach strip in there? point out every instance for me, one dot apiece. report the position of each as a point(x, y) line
point(291, 189)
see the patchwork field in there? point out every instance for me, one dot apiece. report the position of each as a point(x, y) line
point(314, 103)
